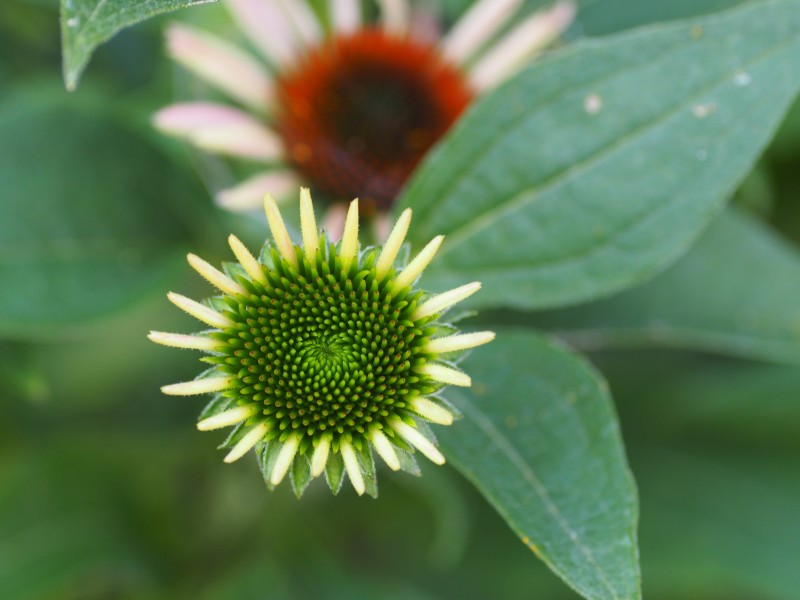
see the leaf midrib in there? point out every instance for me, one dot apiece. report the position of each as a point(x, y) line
point(529, 195)
point(505, 445)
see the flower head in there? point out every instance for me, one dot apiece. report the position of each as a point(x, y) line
point(322, 353)
point(348, 107)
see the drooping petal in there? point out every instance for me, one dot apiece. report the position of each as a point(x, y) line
point(185, 118)
point(284, 461)
point(395, 15)
point(249, 194)
point(385, 449)
point(267, 27)
point(250, 439)
point(303, 20)
point(424, 26)
point(522, 43)
point(345, 15)
point(246, 140)
point(223, 65)
point(419, 441)
point(482, 21)
point(320, 457)
point(221, 129)
point(352, 467)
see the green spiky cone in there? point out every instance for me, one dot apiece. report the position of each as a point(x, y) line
point(321, 354)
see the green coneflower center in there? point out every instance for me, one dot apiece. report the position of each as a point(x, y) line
point(320, 350)
point(358, 113)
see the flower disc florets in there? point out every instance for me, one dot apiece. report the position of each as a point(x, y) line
point(322, 353)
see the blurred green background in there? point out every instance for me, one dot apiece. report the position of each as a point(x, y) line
point(107, 490)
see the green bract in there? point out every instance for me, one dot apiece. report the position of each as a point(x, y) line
point(321, 353)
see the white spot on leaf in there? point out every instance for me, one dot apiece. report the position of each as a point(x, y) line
point(701, 111)
point(592, 104)
point(742, 79)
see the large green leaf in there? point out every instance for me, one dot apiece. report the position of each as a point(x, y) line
point(737, 292)
point(540, 440)
point(89, 220)
point(719, 524)
point(593, 170)
point(601, 17)
point(85, 24)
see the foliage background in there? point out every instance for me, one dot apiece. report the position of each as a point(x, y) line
point(106, 490)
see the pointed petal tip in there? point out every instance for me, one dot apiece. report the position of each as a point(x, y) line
point(279, 232)
point(393, 244)
point(226, 418)
point(250, 439)
point(308, 223)
point(284, 460)
point(432, 412)
point(414, 437)
point(348, 247)
point(197, 386)
point(385, 449)
point(352, 467)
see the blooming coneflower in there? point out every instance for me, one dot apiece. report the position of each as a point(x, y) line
point(349, 107)
point(322, 353)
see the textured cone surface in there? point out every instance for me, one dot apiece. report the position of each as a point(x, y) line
point(320, 350)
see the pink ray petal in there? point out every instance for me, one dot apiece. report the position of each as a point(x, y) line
point(345, 15)
point(395, 15)
point(251, 140)
point(223, 65)
point(249, 194)
point(220, 129)
point(303, 20)
point(522, 43)
point(482, 21)
point(184, 118)
point(266, 24)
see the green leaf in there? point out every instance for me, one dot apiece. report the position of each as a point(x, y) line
point(90, 222)
point(591, 171)
point(85, 24)
point(59, 528)
point(675, 395)
point(541, 441)
point(737, 292)
point(601, 17)
point(720, 524)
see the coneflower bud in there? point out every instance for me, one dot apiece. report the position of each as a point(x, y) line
point(322, 353)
